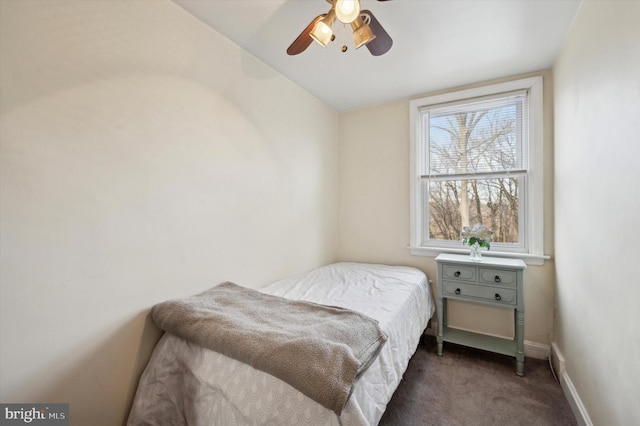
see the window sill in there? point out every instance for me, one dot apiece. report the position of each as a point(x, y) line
point(529, 259)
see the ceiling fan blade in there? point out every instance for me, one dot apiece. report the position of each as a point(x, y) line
point(303, 41)
point(383, 42)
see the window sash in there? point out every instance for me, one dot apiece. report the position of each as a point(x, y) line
point(531, 204)
point(523, 214)
point(518, 99)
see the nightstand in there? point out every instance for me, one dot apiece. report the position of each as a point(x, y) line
point(491, 281)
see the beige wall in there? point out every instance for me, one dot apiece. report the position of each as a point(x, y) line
point(143, 157)
point(373, 212)
point(597, 149)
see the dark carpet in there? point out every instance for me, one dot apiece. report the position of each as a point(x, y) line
point(467, 386)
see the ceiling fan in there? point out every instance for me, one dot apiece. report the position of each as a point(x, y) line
point(366, 30)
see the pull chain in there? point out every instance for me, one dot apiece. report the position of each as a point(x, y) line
point(344, 47)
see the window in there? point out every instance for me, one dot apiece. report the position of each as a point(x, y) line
point(477, 159)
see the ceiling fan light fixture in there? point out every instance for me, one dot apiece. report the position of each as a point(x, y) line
point(347, 11)
point(322, 32)
point(363, 25)
point(362, 33)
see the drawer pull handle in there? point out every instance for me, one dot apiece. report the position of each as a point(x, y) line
point(457, 291)
point(498, 297)
point(456, 274)
point(497, 278)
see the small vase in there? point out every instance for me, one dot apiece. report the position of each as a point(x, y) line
point(474, 252)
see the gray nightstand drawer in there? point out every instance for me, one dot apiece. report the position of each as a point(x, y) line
point(503, 296)
point(497, 276)
point(459, 272)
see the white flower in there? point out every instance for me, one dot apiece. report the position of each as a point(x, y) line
point(478, 233)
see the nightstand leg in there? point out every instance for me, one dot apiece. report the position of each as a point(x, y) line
point(440, 307)
point(519, 331)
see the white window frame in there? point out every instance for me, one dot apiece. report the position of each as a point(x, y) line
point(534, 209)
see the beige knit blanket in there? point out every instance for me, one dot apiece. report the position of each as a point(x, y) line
point(320, 350)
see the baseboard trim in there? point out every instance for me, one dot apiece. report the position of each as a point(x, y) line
point(574, 400)
point(536, 350)
point(557, 361)
point(570, 392)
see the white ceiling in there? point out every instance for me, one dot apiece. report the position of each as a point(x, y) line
point(437, 44)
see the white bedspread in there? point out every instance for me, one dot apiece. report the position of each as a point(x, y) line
point(188, 384)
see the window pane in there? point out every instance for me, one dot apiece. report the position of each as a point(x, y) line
point(483, 136)
point(493, 203)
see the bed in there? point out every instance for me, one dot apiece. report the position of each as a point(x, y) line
point(185, 383)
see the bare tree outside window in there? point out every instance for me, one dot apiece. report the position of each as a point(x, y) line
point(475, 168)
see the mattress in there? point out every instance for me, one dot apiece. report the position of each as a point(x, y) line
point(188, 384)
